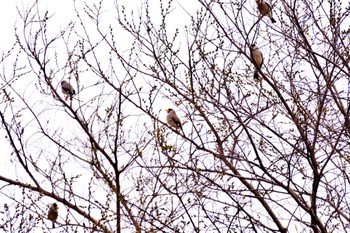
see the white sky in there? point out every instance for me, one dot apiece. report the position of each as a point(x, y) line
point(62, 12)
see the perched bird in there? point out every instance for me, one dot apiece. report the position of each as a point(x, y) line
point(53, 214)
point(257, 58)
point(67, 89)
point(265, 9)
point(172, 119)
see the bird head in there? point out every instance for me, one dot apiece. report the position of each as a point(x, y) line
point(55, 206)
point(168, 110)
point(257, 1)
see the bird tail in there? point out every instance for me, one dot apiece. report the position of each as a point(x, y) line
point(53, 225)
point(256, 75)
point(182, 130)
point(272, 19)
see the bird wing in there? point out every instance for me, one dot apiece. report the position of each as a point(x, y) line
point(176, 119)
point(52, 214)
point(67, 88)
point(257, 57)
point(173, 119)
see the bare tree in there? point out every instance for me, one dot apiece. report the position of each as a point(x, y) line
point(266, 155)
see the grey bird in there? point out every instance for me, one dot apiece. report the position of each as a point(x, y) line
point(257, 58)
point(265, 9)
point(67, 89)
point(53, 214)
point(172, 119)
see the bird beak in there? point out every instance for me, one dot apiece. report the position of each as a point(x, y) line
point(167, 110)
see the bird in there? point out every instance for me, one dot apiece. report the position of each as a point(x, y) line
point(67, 89)
point(172, 119)
point(53, 214)
point(257, 58)
point(265, 9)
